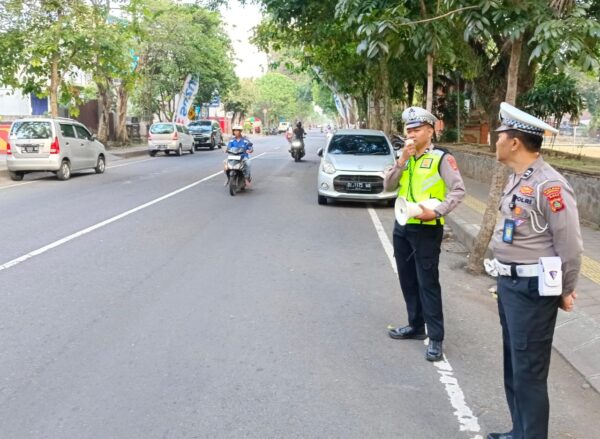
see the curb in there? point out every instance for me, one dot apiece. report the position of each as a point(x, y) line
point(128, 154)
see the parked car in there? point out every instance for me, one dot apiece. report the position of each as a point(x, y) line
point(353, 165)
point(58, 145)
point(169, 136)
point(282, 127)
point(206, 133)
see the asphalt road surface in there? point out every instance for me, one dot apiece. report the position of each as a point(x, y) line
point(149, 303)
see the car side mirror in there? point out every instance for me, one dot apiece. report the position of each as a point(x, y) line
point(320, 152)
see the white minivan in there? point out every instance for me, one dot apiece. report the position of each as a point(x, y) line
point(169, 137)
point(58, 145)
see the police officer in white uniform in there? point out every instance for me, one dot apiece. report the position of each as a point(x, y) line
point(539, 220)
point(423, 171)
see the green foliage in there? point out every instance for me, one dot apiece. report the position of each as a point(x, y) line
point(178, 40)
point(553, 95)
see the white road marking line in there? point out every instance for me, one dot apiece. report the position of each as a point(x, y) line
point(467, 420)
point(18, 184)
point(90, 229)
point(129, 163)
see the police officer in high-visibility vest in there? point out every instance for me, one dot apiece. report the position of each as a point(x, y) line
point(423, 171)
point(537, 257)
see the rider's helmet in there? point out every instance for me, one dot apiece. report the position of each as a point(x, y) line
point(237, 128)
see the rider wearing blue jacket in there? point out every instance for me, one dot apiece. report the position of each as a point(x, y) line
point(242, 142)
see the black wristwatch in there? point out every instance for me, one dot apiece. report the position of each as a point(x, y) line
point(437, 214)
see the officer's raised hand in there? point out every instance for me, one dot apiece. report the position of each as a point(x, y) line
point(408, 151)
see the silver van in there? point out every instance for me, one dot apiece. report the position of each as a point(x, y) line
point(169, 137)
point(56, 145)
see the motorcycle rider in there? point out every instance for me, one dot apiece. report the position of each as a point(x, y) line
point(298, 134)
point(238, 141)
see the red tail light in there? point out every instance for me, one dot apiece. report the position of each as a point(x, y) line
point(8, 151)
point(176, 136)
point(55, 146)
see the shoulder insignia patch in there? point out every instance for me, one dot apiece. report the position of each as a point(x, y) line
point(526, 190)
point(452, 162)
point(554, 198)
point(426, 163)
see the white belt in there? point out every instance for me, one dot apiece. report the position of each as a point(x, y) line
point(522, 270)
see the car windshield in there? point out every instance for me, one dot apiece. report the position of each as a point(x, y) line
point(32, 130)
point(358, 144)
point(162, 128)
point(199, 126)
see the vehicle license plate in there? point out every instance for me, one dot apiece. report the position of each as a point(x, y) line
point(30, 148)
point(161, 146)
point(234, 157)
point(358, 186)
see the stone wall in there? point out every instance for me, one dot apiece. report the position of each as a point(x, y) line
point(480, 166)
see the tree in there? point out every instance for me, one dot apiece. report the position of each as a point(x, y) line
point(49, 44)
point(553, 95)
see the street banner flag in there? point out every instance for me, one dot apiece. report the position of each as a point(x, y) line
point(188, 92)
point(340, 106)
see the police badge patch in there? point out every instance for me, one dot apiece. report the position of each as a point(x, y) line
point(554, 198)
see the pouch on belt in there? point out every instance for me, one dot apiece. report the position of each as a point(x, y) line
point(550, 276)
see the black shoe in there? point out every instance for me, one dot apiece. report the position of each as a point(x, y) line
point(434, 351)
point(500, 435)
point(406, 332)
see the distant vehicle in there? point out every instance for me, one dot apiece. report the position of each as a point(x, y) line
point(353, 166)
point(169, 137)
point(283, 127)
point(58, 145)
point(206, 133)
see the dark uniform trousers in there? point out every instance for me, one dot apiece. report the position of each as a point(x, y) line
point(417, 254)
point(527, 321)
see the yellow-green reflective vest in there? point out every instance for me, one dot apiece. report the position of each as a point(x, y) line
point(421, 180)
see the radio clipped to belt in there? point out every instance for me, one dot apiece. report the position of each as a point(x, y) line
point(550, 276)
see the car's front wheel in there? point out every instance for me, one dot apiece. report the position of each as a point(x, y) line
point(212, 143)
point(322, 200)
point(193, 149)
point(100, 165)
point(179, 151)
point(152, 153)
point(16, 176)
point(64, 173)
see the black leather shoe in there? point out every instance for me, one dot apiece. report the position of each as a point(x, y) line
point(406, 332)
point(500, 435)
point(434, 351)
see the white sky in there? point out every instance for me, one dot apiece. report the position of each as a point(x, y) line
point(239, 21)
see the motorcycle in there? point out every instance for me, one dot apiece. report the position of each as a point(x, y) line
point(234, 165)
point(297, 149)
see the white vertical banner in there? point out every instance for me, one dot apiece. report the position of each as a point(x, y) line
point(339, 105)
point(188, 92)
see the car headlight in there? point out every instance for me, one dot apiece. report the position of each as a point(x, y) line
point(328, 167)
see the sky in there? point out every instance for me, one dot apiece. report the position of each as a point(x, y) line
point(239, 21)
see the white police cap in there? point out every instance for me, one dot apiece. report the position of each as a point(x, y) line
point(416, 116)
point(512, 118)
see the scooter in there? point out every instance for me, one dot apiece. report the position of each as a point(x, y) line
point(234, 165)
point(297, 149)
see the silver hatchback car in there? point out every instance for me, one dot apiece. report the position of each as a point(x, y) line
point(56, 145)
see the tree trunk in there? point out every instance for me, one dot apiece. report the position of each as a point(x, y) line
point(429, 104)
point(386, 117)
point(486, 229)
point(410, 94)
point(104, 106)
point(54, 83)
point(122, 98)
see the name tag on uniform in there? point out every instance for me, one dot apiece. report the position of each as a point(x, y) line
point(508, 231)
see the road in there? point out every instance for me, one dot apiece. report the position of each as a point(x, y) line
point(149, 303)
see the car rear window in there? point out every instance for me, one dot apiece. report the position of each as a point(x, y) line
point(202, 126)
point(358, 144)
point(162, 128)
point(32, 130)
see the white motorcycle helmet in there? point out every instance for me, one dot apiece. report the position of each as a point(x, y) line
point(238, 128)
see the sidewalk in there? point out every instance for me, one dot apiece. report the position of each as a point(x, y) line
point(577, 334)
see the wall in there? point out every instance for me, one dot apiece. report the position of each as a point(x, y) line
point(480, 166)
